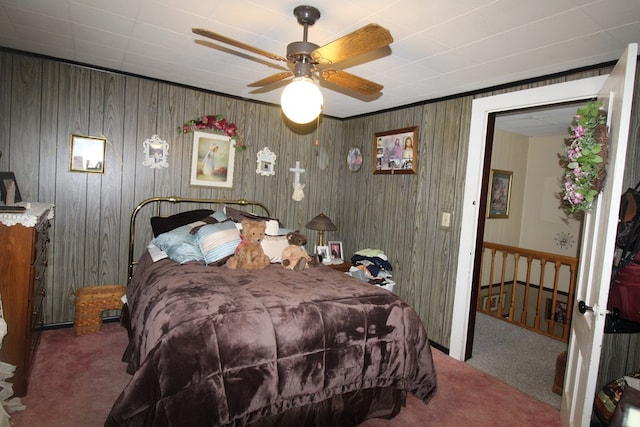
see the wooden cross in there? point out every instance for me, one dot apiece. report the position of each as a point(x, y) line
point(297, 170)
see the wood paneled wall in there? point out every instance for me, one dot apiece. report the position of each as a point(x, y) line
point(43, 101)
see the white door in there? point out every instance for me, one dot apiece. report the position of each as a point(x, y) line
point(597, 251)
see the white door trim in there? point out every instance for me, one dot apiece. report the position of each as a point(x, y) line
point(481, 108)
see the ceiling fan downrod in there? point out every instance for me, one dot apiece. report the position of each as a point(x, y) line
point(300, 52)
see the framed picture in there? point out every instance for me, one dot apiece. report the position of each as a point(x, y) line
point(324, 253)
point(9, 192)
point(492, 302)
point(212, 160)
point(396, 151)
point(266, 162)
point(559, 311)
point(336, 249)
point(87, 154)
point(354, 159)
point(499, 194)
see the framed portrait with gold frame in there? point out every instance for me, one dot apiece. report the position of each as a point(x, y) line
point(87, 154)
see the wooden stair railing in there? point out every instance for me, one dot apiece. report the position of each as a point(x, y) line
point(511, 258)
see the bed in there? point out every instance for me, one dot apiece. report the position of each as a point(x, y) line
point(212, 346)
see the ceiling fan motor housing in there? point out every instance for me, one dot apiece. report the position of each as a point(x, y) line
point(300, 51)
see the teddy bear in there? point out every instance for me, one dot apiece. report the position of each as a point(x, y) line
point(249, 254)
point(294, 256)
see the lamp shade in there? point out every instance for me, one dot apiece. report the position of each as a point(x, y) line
point(301, 100)
point(321, 223)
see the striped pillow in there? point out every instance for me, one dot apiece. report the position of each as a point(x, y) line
point(217, 241)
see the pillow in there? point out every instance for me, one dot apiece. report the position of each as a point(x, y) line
point(273, 246)
point(160, 224)
point(217, 241)
point(179, 245)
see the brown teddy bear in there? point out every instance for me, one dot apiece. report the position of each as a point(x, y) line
point(294, 256)
point(249, 254)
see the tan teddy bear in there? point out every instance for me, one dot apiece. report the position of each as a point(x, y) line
point(249, 254)
point(294, 256)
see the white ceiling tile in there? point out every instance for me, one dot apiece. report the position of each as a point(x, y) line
point(440, 48)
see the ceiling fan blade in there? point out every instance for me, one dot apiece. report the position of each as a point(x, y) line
point(351, 81)
point(271, 79)
point(215, 36)
point(367, 38)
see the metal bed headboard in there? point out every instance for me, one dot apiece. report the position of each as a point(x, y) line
point(175, 199)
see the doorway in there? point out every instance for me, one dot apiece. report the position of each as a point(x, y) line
point(525, 144)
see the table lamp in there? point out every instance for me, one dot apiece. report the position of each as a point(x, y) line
point(321, 223)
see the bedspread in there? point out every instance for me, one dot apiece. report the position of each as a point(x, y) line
point(214, 346)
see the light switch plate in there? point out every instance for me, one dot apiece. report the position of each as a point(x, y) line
point(445, 220)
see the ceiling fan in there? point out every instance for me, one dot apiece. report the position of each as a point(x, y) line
point(308, 59)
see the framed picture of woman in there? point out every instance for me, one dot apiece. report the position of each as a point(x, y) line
point(213, 159)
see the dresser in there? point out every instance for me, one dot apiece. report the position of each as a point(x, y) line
point(24, 239)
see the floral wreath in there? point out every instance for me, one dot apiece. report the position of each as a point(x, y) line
point(585, 159)
point(217, 123)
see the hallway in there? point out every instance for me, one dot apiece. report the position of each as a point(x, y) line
point(519, 357)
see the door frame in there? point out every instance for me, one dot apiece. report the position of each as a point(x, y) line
point(481, 108)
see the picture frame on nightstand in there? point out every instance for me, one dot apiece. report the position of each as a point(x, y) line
point(323, 252)
point(9, 191)
point(335, 247)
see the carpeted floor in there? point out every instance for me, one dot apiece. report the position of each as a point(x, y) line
point(76, 379)
point(519, 357)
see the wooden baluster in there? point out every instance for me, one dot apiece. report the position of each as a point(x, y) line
point(543, 263)
point(572, 289)
point(514, 286)
point(554, 297)
point(525, 303)
point(505, 254)
point(487, 308)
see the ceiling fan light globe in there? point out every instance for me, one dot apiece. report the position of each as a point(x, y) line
point(301, 100)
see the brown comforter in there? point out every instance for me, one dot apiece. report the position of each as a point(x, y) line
point(213, 346)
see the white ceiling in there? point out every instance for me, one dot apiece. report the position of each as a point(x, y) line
point(541, 121)
point(440, 48)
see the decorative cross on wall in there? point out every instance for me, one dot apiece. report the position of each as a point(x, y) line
point(297, 171)
point(298, 188)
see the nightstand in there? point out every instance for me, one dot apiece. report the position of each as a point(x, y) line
point(343, 266)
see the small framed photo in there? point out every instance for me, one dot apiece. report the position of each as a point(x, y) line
point(9, 191)
point(491, 303)
point(213, 160)
point(559, 312)
point(324, 253)
point(499, 194)
point(87, 154)
point(336, 249)
point(396, 151)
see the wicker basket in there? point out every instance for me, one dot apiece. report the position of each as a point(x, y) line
point(91, 301)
